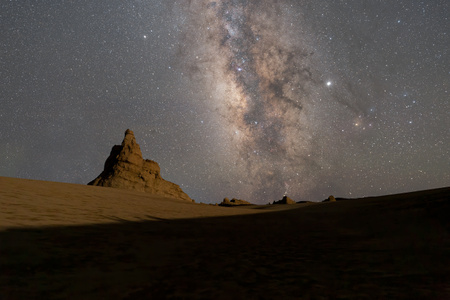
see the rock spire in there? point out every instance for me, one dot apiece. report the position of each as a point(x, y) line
point(125, 168)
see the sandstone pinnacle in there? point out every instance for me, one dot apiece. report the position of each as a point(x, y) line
point(126, 169)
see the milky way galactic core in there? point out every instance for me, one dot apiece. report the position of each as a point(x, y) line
point(260, 71)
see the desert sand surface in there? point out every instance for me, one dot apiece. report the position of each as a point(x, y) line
point(27, 202)
point(63, 241)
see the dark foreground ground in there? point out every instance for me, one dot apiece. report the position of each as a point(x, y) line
point(376, 248)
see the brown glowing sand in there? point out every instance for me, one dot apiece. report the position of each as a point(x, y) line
point(41, 203)
point(83, 242)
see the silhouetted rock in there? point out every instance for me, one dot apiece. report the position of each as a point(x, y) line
point(234, 202)
point(126, 169)
point(285, 200)
point(331, 199)
point(225, 202)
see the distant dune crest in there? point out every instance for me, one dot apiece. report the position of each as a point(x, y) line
point(126, 169)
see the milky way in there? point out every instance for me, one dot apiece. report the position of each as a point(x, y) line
point(261, 76)
point(246, 99)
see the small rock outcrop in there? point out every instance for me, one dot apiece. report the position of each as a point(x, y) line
point(285, 200)
point(330, 199)
point(126, 169)
point(234, 202)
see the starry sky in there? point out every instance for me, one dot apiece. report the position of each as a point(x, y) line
point(233, 98)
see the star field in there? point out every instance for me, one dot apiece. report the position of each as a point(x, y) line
point(246, 99)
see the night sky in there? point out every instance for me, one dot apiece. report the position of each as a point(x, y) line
point(233, 98)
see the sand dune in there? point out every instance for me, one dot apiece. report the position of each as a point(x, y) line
point(133, 247)
point(39, 203)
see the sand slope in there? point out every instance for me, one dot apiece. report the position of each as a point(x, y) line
point(377, 248)
point(39, 203)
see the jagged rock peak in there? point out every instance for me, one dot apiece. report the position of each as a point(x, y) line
point(125, 168)
point(130, 146)
point(130, 141)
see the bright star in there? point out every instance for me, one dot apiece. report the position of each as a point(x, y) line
point(329, 83)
